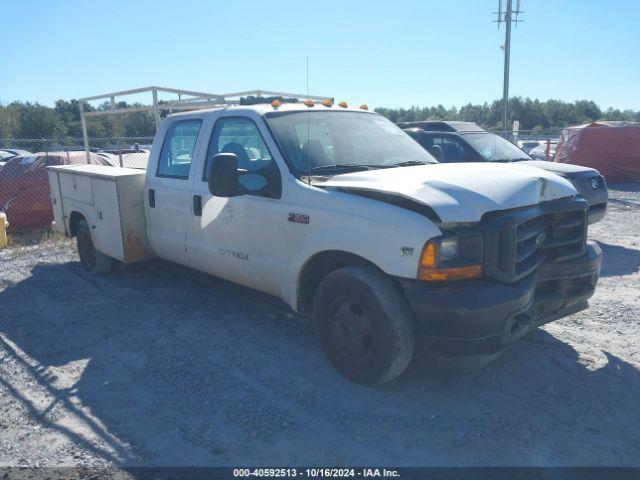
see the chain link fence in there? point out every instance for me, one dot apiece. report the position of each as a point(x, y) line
point(539, 144)
point(131, 152)
point(24, 184)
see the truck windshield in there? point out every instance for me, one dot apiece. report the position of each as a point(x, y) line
point(494, 148)
point(323, 142)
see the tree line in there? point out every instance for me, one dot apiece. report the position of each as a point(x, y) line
point(536, 115)
point(33, 120)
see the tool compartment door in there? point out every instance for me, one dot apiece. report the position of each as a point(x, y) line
point(106, 228)
point(76, 187)
point(56, 203)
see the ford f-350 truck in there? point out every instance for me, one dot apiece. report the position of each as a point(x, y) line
point(342, 215)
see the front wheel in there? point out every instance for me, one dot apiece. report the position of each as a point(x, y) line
point(92, 260)
point(364, 324)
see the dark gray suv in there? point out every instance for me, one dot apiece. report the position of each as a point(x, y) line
point(467, 142)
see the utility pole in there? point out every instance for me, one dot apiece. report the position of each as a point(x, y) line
point(507, 16)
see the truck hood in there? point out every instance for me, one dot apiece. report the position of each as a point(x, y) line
point(562, 169)
point(460, 192)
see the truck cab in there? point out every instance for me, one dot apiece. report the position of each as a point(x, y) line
point(342, 215)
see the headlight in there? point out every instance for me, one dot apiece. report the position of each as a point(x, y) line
point(597, 182)
point(449, 248)
point(452, 257)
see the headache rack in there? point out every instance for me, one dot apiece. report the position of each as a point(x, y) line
point(186, 100)
point(518, 241)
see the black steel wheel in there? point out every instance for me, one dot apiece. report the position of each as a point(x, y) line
point(92, 260)
point(364, 324)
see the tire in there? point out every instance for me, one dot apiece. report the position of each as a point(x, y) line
point(364, 325)
point(93, 261)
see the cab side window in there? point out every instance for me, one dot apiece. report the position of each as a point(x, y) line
point(453, 149)
point(258, 173)
point(177, 150)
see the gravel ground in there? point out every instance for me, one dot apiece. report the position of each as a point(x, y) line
point(160, 365)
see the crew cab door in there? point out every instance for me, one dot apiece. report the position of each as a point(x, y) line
point(168, 189)
point(239, 238)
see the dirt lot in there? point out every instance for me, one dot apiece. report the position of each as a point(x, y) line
point(159, 365)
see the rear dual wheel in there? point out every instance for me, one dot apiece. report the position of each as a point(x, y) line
point(92, 260)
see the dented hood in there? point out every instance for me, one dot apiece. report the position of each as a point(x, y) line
point(460, 192)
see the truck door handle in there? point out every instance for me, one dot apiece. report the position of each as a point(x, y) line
point(197, 205)
point(152, 198)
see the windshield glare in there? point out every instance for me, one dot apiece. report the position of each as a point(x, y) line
point(494, 148)
point(316, 139)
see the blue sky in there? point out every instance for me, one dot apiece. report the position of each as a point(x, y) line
point(384, 53)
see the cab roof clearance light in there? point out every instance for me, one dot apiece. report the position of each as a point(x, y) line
point(276, 104)
point(327, 102)
point(364, 106)
point(343, 104)
point(309, 103)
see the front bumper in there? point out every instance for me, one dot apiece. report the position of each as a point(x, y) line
point(596, 197)
point(596, 212)
point(480, 317)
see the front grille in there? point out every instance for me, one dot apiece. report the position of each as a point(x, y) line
point(584, 187)
point(519, 241)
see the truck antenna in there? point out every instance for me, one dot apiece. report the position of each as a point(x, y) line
point(308, 131)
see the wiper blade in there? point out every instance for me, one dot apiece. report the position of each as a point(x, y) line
point(341, 166)
point(410, 163)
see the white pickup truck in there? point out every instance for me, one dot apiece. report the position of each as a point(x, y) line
point(346, 218)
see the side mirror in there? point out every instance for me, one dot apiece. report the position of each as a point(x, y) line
point(438, 153)
point(222, 175)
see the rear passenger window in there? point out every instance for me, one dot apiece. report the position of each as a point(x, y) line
point(177, 149)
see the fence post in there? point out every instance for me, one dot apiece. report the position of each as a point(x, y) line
point(547, 150)
point(85, 135)
point(156, 112)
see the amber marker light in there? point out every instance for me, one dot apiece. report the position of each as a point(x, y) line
point(309, 103)
point(428, 269)
point(364, 106)
point(276, 104)
point(343, 104)
point(327, 102)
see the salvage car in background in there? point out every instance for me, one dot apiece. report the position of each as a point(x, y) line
point(7, 154)
point(611, 147)
point(452, 142)
point(24, 187)
point(528, 145)
point(544, 151)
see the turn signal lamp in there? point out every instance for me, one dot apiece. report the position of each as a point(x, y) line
point(327, 102)
point(430, 268)
point(364, 106)
point(309, 103)
point(276, 104)
point(343, 104)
